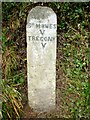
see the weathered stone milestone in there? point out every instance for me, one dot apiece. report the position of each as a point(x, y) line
point(41, 58)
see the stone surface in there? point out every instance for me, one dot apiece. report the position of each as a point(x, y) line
point(41, 58)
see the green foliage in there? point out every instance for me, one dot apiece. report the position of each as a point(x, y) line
point(76, 53)
point(18, 78)
point(12, 79)
point(11, 98)
point(73, 22)
point(5, 41)
point(7, 9)
point(14, 10)
point(9, 62)
point(12, 106)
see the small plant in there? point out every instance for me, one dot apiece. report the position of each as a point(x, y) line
point(11, 98)
point(76, 53)
point(9, 62)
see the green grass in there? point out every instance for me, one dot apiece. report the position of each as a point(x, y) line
point(75, 66)
point(12, 79)
point(12, 101)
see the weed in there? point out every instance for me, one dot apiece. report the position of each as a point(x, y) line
point(11, 99)
point(9, 62)
point(76, 69)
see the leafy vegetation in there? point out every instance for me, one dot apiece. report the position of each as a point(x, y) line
point(12, 106)
point(10, 96)
point(73, 46)
point(12, 101)
point(12, 79)
point(76, 53)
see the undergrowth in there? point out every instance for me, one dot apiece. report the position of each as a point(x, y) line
point(12, 105)
point(12, 79)
point(75, 65)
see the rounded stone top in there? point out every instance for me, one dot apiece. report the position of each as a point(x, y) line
point(40, 12)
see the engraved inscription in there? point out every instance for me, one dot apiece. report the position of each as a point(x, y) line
point(37, 38)
point(42, 29)
point(41, 25)
point(43, 45)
